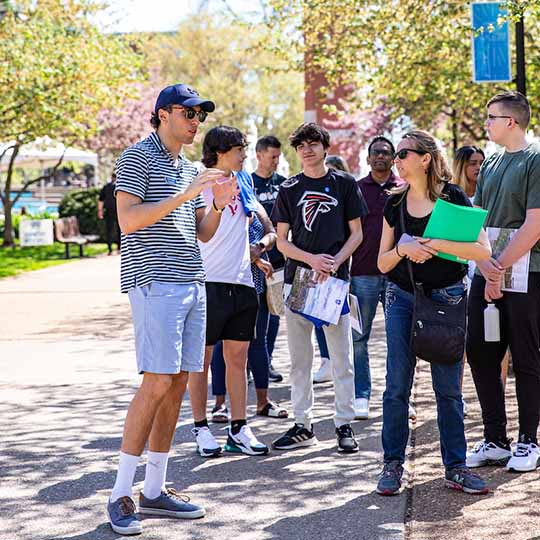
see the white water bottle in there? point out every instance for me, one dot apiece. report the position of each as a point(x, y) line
point(492, 330)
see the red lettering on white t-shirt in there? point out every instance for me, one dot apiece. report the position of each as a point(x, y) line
point(233, 208)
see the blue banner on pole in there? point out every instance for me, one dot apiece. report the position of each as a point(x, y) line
point(491, 47)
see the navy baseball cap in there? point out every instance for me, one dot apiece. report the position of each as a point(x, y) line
point(182, 94)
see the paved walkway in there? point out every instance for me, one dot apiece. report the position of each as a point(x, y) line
point(67, 375)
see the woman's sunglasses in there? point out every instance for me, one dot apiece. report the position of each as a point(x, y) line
point(190, 113)
point(403, 153)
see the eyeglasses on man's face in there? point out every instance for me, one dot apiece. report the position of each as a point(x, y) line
point(491, 117)
point(190, 113)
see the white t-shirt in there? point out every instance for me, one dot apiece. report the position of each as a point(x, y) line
point(226, 256)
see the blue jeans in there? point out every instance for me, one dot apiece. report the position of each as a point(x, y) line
point(369, 290)
point(400, 364)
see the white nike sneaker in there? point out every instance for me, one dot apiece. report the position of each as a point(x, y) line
point(361, 408)
point(525, 457)
point(207, 446)
point(487, 453)
point(325, 372)
point(245, 442)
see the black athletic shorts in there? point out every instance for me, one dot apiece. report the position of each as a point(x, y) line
point(231, 312)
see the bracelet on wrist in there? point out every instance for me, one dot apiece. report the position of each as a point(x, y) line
point(214, 206)
point(398, 253)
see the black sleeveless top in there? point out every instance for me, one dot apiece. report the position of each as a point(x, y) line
point(435, 273)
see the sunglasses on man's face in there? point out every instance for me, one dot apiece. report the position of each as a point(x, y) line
point(384, 153)
point(190, 113)
point(404, 152)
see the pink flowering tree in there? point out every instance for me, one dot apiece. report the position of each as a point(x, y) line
point(123, 126)
point(355, 128)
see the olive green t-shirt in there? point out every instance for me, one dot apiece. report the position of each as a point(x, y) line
point(509, 185)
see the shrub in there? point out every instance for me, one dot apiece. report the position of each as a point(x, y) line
point(83, 204)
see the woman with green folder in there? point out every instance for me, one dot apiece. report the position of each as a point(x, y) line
point(421, 164)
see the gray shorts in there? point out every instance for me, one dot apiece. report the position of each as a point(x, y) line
point(170, 326)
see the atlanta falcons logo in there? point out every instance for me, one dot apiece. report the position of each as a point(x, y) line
point(314, 203)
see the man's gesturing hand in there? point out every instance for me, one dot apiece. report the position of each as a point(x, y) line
point(204, 180)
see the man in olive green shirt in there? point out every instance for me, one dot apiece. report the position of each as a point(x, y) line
point(509, 189)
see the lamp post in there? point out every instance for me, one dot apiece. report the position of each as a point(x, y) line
point(521, 80)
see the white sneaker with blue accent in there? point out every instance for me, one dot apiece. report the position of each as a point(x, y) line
point(525, 457)
point(245, 442)
point(207, 446)
point(487, 453)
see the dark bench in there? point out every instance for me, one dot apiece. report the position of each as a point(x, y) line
point(67, 232)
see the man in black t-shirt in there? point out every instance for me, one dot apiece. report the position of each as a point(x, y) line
point(265, 178)
point(267, 182)
point(107, 211)
point(322, 210)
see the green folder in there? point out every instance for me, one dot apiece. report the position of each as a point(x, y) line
point(454, 222)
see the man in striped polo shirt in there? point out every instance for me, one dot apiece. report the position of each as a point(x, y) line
point(161, 214)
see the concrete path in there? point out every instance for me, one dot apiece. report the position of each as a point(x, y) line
point(67, 374)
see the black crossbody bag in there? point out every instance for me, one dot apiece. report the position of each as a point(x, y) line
point(437, 330)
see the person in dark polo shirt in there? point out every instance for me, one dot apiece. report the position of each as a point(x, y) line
point(367, 282)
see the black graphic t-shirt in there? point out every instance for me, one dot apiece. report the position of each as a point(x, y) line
point(318, 211)
point(266, 189)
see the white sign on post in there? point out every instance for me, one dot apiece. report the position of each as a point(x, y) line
point(36, 232)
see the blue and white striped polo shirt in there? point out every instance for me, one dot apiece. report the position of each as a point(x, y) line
point(167, 250)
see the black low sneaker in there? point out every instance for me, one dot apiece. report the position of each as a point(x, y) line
point(345, 439)
point(296, 437)
point(274, 375)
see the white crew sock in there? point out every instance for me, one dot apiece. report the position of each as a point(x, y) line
point(127, 466)
point(156, 471)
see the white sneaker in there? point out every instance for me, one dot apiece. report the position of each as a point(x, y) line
point(361, 408)
point(465, 409)
point(207, 446)
point(325, 372)
point(525, 457)
point(412, 413)
point(485, 453)
point(245, 442)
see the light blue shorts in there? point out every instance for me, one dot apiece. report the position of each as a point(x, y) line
point(170, 326)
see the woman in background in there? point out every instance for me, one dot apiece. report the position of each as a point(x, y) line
point(467, 163)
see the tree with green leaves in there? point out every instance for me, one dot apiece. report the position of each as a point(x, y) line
point(218, 56)
point(56, 72)
point(412, 55)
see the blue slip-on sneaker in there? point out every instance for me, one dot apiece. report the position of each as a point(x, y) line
point(170, 503)
point(390, 478)
point(463, 479)
point(122, 516)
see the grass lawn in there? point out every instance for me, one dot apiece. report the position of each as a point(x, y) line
point(16, 260)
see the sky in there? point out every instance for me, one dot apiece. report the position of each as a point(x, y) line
point(160, 15)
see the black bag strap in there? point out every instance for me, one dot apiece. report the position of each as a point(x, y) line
point(409, 267)
point(403, 231)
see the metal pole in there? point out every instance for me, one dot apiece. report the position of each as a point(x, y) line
point(521, 79)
